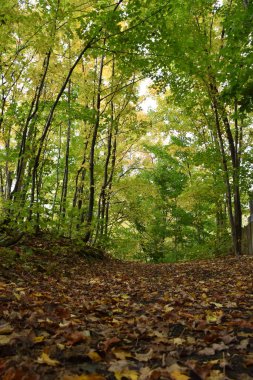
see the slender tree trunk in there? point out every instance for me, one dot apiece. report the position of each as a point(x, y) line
point(92, 157)
point(57, 172)
point(233, 193)
point(103, 194)
point(66, 168)
point(28, 129)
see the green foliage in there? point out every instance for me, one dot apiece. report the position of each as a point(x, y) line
point(70, 110)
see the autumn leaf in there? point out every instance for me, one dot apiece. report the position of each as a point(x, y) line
point(120, 354)
point(178, 341)
point(207, 351)
point(126, 374)
point(6, 329)
point(121, 370)
point(45, 359)
point(94, 356)
point(38, 339)
point(168, 308)
point(5, 339)
point(214, 316)
point(77, 337)
point(248, 360)
point(176, 375)
point(145, 357)
point(84, 377)
point(110, 342)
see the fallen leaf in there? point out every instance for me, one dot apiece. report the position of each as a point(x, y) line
point(38, 339)
point(45, 359)
point(94, 356)
point(93, 376)
point(5, 339)
point(77, 337)
point(191, 340)
point(120, 354)
point(178, 341)
point(219, 347)
point(6, 329)
point(248, 360)
point(109, 342)
point(126, 374)
point(216, 375)
point(19, 374)
point(168, 308)
point(2, 285)
point(243, 344)
point(176, 375)
point(207, 351)
point(216, 304)
point(145, 357)
point(214, 316)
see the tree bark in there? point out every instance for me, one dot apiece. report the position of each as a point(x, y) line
point(92, 157)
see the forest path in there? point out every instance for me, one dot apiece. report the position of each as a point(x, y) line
point(63, 317)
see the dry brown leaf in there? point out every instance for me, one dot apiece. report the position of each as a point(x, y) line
point(207, 351)
point(243, 344)
point(248, 360)
point(219, 346)
point(145, 357)
point(77, 337)
point(93, 376)
point(109, 342)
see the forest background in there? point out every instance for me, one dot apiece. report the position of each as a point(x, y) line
point(79, 157)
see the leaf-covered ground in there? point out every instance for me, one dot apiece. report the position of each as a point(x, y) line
point(65, 317)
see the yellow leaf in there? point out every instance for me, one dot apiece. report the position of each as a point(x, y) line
point(45, 359)
point(117, 310)
point(94, 356)
point(214, 316)
point(120, 354)
point(125, 296)
point(178, 341)
point(216, 304)
point(5, 339)
point(38, 339)
point(176, 375)
point(216, 375)
point(6, 329)
point(60, 346)
point(191, 340)
point(126, 374)
point(168, 308)
point(2, 285)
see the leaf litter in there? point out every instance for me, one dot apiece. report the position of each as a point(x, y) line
point(107, 319)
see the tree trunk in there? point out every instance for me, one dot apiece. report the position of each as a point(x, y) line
point(92, 157)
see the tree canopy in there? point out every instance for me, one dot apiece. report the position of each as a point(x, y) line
point(80, 157)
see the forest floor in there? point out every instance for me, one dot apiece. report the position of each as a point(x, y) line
point(65, 316)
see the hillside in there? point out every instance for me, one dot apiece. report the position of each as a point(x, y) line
point(73, 316)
